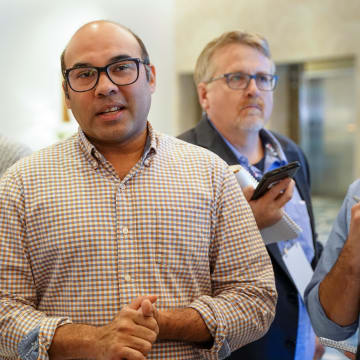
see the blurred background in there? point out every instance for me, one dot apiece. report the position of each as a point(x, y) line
point(315, 45)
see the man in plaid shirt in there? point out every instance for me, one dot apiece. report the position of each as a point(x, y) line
point(97, 229)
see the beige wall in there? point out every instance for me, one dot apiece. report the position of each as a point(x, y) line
point(297, 30)
point(35, 33)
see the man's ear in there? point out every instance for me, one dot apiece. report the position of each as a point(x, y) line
point(151, 76)
point(66, 93)
point(202, 95)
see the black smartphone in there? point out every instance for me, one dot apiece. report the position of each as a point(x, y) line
point(274, 176)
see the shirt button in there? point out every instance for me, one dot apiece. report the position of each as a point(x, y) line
point(94, 163)
point(122, 186)
point(125, 230)
point(127, 277)
point(147, 162)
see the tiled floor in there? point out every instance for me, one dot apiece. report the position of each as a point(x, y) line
point(325, 212)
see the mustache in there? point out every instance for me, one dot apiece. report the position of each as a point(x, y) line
point(253, 103)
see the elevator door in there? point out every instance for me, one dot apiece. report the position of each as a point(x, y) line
point(327, 126)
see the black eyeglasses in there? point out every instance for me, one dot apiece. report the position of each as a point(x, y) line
point(239, 80)
point(85, 78)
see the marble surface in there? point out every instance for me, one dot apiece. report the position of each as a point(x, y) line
point(325, 212)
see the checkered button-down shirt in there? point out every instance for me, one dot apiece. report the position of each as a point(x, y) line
point(77, 243)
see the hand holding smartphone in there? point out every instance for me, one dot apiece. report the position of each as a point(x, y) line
point(273, 177)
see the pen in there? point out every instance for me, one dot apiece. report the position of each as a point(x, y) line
point(356, 198)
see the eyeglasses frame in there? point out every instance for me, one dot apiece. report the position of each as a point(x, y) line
point(104, 69)
point(227, 75)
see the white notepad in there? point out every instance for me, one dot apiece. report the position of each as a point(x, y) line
point(284, 229)
point(338, 345)
point(298, 266)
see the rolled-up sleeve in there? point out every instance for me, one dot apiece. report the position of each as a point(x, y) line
point(322, 325)
point(244, 295)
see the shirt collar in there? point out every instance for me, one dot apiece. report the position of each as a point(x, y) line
point(240, 158)
point(94, 156)
point(271, 144)
point(274, 154)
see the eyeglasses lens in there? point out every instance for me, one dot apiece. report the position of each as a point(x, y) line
point(120, 73)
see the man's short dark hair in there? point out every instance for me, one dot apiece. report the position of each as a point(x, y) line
point(144, 53)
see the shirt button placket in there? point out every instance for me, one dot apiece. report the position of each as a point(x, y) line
point(125, 247)
point(125, 239)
